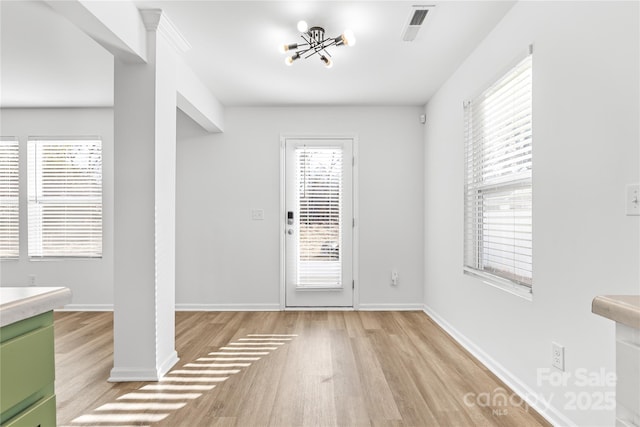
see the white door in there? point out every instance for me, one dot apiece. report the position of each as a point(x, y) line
point(318, 222)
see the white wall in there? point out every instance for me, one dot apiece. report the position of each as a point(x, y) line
point(225, 260)
point(586, 149)
point(91, 280)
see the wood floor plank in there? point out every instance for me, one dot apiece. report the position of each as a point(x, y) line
point(317, 375)
point(334, 369)
point(412, 407)
point(379, 399)
point(288, 406)
point(354, 325)
point(348, 392)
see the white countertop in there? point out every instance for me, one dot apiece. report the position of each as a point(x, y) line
point(19, 303)
point(623, 309)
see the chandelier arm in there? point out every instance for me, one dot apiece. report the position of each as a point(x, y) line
point(319, 48)
point(316, 48)
point(311, 54)
point(325, 45)
point(307, 39)
point(301, 45)
point(304, 51)
point(328, 42)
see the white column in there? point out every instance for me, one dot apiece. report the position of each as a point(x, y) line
point(145, 170)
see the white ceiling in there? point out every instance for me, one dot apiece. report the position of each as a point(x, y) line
point(46, 61)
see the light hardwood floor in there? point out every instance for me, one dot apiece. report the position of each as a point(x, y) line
point(336, 369)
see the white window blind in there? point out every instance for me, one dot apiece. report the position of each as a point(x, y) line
point(65, 197)
point(319, 186)
point(498, 187)
point(9, 199)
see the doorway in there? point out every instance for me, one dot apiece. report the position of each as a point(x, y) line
point(318, 222)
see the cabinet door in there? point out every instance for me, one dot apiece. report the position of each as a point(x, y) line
point(27, 366)
point(43, 414)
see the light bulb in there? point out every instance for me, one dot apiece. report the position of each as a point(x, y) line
point(303, 26)
point(286, 47)
point(327, 62)
point(289, 60)
point(348, 38)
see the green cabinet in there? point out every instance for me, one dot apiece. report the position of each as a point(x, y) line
point(27, 373)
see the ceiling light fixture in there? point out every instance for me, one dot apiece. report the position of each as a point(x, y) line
point(316, 43)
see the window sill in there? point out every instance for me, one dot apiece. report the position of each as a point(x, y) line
point(63, 258)
point(502, 284)
point(319, 288)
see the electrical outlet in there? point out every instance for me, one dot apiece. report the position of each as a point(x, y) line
point(32, 280)
point(557, 356)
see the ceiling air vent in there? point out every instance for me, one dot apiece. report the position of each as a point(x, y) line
point(415, 21)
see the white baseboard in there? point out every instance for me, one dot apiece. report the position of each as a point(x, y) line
point(533, 399)
point(228, 307)
point(121, 375)
point(169, 363)
point(318, 309)
point(250, 307)
point(86, 307)
point(181, 307)
point(390, 307)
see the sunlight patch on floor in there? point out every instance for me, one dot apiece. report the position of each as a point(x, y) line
point(255, 343)
point(193, 380)
point(227, 359)
point(248, 348)
point(226, 353)
point(147, 406)
point(180, 387)
point(272, 335)
point(159, 396)
point(206, 371)
point(131, 417)
point(152, 403)
point(217, 365)
point(105, 425)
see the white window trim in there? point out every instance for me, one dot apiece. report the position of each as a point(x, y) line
point(31, 185)
point(17, 242)
point(512, 286)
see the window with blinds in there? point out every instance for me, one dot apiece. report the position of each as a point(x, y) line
point(498, 186)
point(64, 197)
point(319, 187)
point(9, 199)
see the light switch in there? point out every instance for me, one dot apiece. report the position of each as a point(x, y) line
point(633, 199)
point(257, 214)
